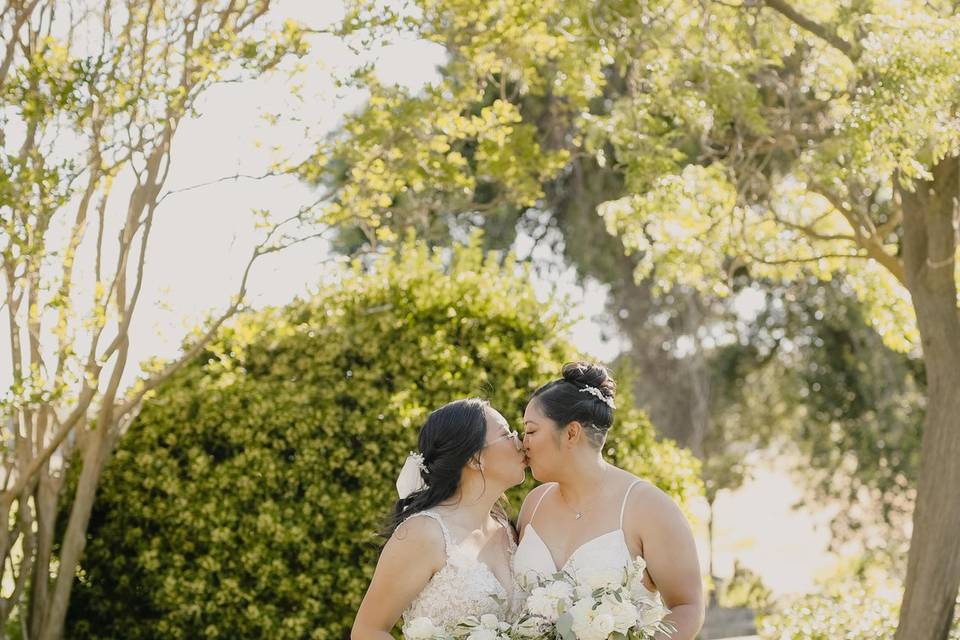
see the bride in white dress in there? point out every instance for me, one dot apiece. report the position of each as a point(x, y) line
point(589, 514)
point(450, 546)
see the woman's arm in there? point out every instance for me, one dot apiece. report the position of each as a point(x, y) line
point(671, 555)
point(413, 554)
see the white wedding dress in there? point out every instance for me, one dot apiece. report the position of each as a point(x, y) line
point(464, 586)
point(606, 551)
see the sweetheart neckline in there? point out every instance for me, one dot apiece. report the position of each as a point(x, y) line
point(454, 547)
point(575, 551)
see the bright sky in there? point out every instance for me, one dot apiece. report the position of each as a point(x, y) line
point(203, 237)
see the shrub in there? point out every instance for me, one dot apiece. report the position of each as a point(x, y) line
point(846, 610)
point(744, 589)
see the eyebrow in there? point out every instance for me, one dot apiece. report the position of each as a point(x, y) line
point(526, 422)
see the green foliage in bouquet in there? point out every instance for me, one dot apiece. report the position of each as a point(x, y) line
point(243, 502)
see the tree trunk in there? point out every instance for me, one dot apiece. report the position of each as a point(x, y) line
point(929, 250)
point(45, 502)
point(673, 390)
point(75, 537)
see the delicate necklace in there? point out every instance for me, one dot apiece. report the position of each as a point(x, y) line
point(579, 514)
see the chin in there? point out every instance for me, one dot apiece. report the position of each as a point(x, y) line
point(536, 474)
point(522, 474)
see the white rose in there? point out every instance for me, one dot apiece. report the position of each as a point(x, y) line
point(481, 633)
point(420, 629)
point(539, 603)
point(559, 590)
point(590, 623)
point(603, 624)
point(623, 613)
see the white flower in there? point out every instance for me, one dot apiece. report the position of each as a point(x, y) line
point(650, 613)
point(559, 590)
point(529, 628)
point(539, 603)
point(590, 623)
point(482, 633)
point(622, 612)
point(489, 621)
point(600, 577)
point(421, 629)
point(583, 591)
point(638, 590)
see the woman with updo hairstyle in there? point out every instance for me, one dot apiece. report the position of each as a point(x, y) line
point(449, 545)
point(590, 515)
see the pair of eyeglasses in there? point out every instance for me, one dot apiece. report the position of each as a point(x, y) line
point(513, 435)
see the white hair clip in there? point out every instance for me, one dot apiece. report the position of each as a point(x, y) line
point(599, 394)
point(411, 478)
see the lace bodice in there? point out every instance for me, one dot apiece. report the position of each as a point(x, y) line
point(464, 586)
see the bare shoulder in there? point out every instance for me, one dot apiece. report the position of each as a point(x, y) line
point(420, 537)
point(530, 503)
point(649, 503)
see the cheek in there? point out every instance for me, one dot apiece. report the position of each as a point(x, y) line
point(536, 445)
point(504, 458)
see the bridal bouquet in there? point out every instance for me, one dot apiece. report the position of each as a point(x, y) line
point(485, 627)
point(593, 605)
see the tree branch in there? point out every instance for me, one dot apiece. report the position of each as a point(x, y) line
point(86, 396)
point(264, 248)
point(8, 54)
point(888, 227)
point(234, 178)
point(872, 243)
point(784, 261)
point(811, 233)
point(821, 31)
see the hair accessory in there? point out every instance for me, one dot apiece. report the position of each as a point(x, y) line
point(600, 396)
point(411, 475)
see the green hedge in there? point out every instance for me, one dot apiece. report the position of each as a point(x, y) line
point(242, 502)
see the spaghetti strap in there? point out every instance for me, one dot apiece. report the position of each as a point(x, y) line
point(542, 496)
point(623, 507)
point(447, 539)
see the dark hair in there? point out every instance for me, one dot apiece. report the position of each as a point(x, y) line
point(564, 401)
point(452, 436)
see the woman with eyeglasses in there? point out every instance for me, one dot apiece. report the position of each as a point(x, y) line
point(449, 546)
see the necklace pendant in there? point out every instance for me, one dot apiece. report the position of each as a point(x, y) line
point(579, 515)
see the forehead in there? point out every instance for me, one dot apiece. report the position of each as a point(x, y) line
point(533, 412)
point(494, 419)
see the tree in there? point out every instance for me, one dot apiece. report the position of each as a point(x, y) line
point(89, 93)
point(775, 139)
